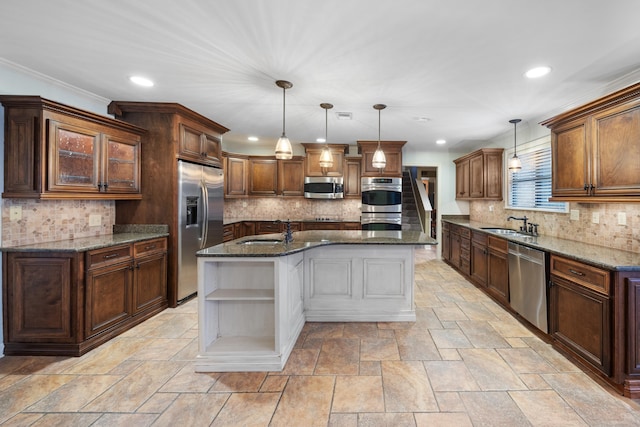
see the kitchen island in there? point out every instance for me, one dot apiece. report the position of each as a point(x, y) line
point(255, 293)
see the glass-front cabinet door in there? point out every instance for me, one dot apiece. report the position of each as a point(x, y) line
point(122, 165)
point(74, 158)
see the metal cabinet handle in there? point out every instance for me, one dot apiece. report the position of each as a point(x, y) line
point(110, 256)
point(148, 248)
point(577, 273)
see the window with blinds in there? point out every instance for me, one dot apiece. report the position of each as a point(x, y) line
point(530, 187)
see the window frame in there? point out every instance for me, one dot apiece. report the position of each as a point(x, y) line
point(526, 148)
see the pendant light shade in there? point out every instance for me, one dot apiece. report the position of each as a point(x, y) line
point(379, 160)
point(326, 158)
point(514, 163)
point(284, 151)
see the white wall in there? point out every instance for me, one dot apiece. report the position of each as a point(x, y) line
point(16, 80)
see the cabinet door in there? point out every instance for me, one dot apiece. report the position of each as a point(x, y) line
point(479, 266)
point(74, 158)
point(454, 255)
point(40, 292)
point(313, 163)
point(462, 180)
point(352, 178)
point(493, 176)
point(570, 160)
point(263, 177)
point(580, 321)
point(446, 245)
point(616, 152)
point(235, 184)
point(211, 148)
point(498, 269)
point(108, 297)
point(150, 282)
point(122, 165)
point(199, 145)
point(291, 177)
point(476, 176)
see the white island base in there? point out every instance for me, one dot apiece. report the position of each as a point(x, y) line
point(252, 308)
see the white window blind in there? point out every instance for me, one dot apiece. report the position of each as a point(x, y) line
point(530, 187)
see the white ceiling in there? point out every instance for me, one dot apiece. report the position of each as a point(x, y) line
point(458, 63)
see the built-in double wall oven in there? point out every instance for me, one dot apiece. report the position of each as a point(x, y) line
point(381, 203)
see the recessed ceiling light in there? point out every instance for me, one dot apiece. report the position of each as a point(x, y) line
point(253, 138)
point(141, 81)
point(344, 116)
point(421, 119)
point(536, 72)
point(441, 141)
point(321, 140)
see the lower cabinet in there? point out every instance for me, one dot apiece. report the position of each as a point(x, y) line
point(479, 255)
point(66, 303)
point(498, 269)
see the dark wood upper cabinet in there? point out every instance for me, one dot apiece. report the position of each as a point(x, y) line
point(235, 175)
point(54, 151)
point(393, 154)
point(595, 150)
point(479, 175)
point(291, 176)
point(313, 151)
point(352, 181)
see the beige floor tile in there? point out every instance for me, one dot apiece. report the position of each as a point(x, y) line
point(274, 383)
point(76, 420)
point(158, 403)
point(161, 349)
point(126, 367)
point(370, 368)
point(193, 410)
point(450, 376)
point(323, 330)
point(386, 333)
point(546, 408)
point(189, 353)
point(482, 335)
point(239, 382)
point(443, 420)
point(494, 408)
point(416, 346)
point(386, 420)
point(360, 330)
point(449, 401)
point(449, 354)
point(372, 349)
point(343, 420)
point(301, 362)
point(28, 391)
point(406, 387)
point(23, 420)
point(358, 394)
point(450, 338)
point(516, 342)
point(555, 359)
point(427, 319)
point(125, 420)
point(526, 361)
point(108, 356)
point(134, 389)
point(72, 396)
point(490, 371)
point(235, 413)
point(9, 380)
point(534, 381)
point(176, 328)
point(339, 356)
point(510, 328)
point(475, 311)
point(306, 401)
point(189, 381)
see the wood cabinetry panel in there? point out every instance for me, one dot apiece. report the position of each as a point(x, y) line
point(479, 175)
point(570, 159)
point(150, 282)
point(291, 177)
point(235, 173)
point(108, 297)
point(263, 177)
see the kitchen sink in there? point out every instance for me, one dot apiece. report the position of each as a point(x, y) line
point(506, 231)
point(260, 242)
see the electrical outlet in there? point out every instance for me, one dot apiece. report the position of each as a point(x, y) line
point(95, 220)
point(490, 208)
point(244, 204)
point(297, 204)
point(15, 213)
point(622, 218)
point(575, 215)
point(595, 217)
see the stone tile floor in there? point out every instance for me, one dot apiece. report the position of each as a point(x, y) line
point(465, 362)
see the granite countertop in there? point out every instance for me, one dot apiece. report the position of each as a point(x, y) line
point(121, 235)
point(599, 256)
point(317, 219)
point(303, 240)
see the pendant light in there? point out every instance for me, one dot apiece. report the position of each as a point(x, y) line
point(326, 158)
point(379, 160)
point(514, 163)
point(284, 151)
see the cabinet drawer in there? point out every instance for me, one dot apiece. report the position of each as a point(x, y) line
point(498, 244)
point(465, 243)
point(267, 227)
point(108, 256)
point(591, 277)
point(479, 237)
point(149, 247)
point(228, 232)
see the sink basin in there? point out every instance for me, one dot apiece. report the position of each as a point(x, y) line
point(506, 231)
point(260, 242)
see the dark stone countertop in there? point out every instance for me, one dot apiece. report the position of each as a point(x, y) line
point(598, 256)
point(303, 240)
point(122, 235)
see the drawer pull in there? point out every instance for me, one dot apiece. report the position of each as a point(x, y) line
point(148, 248)
point(110, 256)
point(577, 273)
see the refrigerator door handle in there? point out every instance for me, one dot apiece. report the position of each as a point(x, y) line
point(205, 214)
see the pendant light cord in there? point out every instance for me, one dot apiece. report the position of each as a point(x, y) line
point(379, 129)
point(283, 109)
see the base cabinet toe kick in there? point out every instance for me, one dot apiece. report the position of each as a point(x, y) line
point(252, 309)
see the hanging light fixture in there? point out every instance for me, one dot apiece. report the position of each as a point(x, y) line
point(284, 151)
point(379, 160)
point(326, 158)
point(514, 163)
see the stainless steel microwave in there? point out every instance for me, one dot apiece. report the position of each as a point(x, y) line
point(324, 187)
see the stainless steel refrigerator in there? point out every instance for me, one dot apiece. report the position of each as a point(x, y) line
point(200, 207)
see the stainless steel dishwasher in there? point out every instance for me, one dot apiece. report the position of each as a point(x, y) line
point(527, 284)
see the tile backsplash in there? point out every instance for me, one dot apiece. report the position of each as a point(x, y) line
point(606, 232)
point(52, 220)
point(271, 208)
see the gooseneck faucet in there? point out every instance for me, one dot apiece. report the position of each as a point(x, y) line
point(524, 219)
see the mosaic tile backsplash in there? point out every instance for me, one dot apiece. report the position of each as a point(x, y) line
point(52, 220)
point(606, 232)
point(270, 208)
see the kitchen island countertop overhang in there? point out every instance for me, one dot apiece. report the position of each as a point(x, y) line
point(255, 293)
